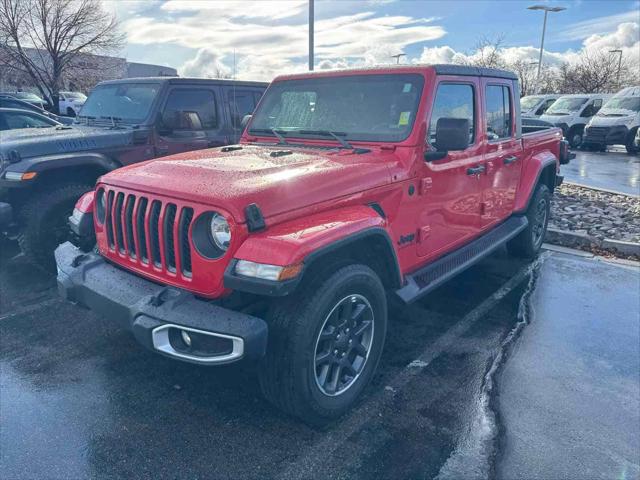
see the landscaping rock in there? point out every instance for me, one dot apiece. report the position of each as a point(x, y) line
point(595, 220)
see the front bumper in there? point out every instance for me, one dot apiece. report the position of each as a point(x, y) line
point(614, 135)
point(157, 315)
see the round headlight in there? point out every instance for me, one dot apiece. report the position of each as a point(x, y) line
point(220, 231)
point(101, 205)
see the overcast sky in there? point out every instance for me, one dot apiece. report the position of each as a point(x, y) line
point(199, 37)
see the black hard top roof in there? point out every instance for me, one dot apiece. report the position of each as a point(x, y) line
point(190, 81)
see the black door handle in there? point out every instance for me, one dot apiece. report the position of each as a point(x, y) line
point(475, 170)
point(509, 160)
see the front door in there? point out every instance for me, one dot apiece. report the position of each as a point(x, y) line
point(503, 153)
point(450, 188)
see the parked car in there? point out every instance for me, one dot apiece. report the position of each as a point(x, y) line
point(10, 102)
point(571, 113)
point(12, 119)
point(122, 122)
point(28, 97)
point(535, 105)
point(346, 186)
point(616, 123)
point(71, 103)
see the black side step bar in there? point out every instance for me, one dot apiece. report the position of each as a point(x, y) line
point(435, 274)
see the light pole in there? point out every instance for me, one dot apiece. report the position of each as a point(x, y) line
point(311, 17)
point(397, 57)
point(544, 29)
point(619, 52)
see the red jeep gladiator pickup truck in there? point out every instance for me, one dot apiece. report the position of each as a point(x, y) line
point(346, 187)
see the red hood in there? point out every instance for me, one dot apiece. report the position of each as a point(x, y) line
point(233, 180)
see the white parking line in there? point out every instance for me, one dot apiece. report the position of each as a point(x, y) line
point(312, 463)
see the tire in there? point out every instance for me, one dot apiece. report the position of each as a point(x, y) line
point(527, 243)
point(630, 143)
point(288, 375)
point(44, 220)
point(575, 137)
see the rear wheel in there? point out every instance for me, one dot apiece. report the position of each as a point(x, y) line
point(324, 344)
point(527, 243)
point(45, 225)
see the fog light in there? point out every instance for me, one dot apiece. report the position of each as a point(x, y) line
point(185, 338)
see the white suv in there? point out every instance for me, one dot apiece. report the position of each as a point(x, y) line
point(71, 102)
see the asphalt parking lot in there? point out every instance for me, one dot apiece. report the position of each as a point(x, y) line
point(614, 170)
point(509, 366)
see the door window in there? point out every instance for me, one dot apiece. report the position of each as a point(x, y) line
point(498, 112)
point(453, 100)
point(190, 109)
point(241, 103)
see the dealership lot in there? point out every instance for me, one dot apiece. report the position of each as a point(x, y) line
point(615, 170)
point(80, 398)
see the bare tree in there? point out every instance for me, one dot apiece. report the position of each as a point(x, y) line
point(595, 72)
point(486, 53)
point(43, 38)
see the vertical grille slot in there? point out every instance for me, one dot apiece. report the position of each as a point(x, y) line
point(154, 235)
point(186, 216)
point(167, 235)
point(128, 215)
point(117, 216)
point(108, 219)
point(142, 233)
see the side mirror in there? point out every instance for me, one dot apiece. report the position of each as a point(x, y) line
point(245, 121)
point(162, 127)
point(451, 134)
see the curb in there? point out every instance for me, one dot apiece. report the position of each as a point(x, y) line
point(571, 239)
point(604, 190)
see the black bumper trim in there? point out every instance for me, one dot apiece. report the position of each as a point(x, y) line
point(141, 306)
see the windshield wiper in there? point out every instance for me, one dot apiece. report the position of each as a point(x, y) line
point(328, 133)
point(274, 131)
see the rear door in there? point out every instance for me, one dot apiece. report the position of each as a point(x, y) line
point(450, 188)
point(503, 152)
point(189, 120)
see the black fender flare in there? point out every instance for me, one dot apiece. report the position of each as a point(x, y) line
point(65, 160)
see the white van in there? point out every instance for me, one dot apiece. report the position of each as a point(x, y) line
point(572, 113)
point(617, 122)
point(532, 106)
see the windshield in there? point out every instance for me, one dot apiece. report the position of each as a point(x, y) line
point(568, 104)
point(624, 103)
point(124, 102)
point(527, 103)
point(379, 108)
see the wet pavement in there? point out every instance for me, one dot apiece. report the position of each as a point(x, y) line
point(612, 170)
point(577, 413)
point(79, 398)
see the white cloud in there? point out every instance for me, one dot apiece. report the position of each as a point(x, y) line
point(264, 50)
point(585, 29)
point(206, 63)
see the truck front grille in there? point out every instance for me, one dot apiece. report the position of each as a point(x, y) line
point(597, 134)
point(149, 231)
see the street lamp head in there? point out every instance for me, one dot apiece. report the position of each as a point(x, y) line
point(546, 8)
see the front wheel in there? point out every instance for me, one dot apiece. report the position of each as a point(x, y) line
point(528, 242)
point(575, 137)
point(325, 343)
point(45, 224)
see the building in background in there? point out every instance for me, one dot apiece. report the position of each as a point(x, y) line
point(86, 71)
